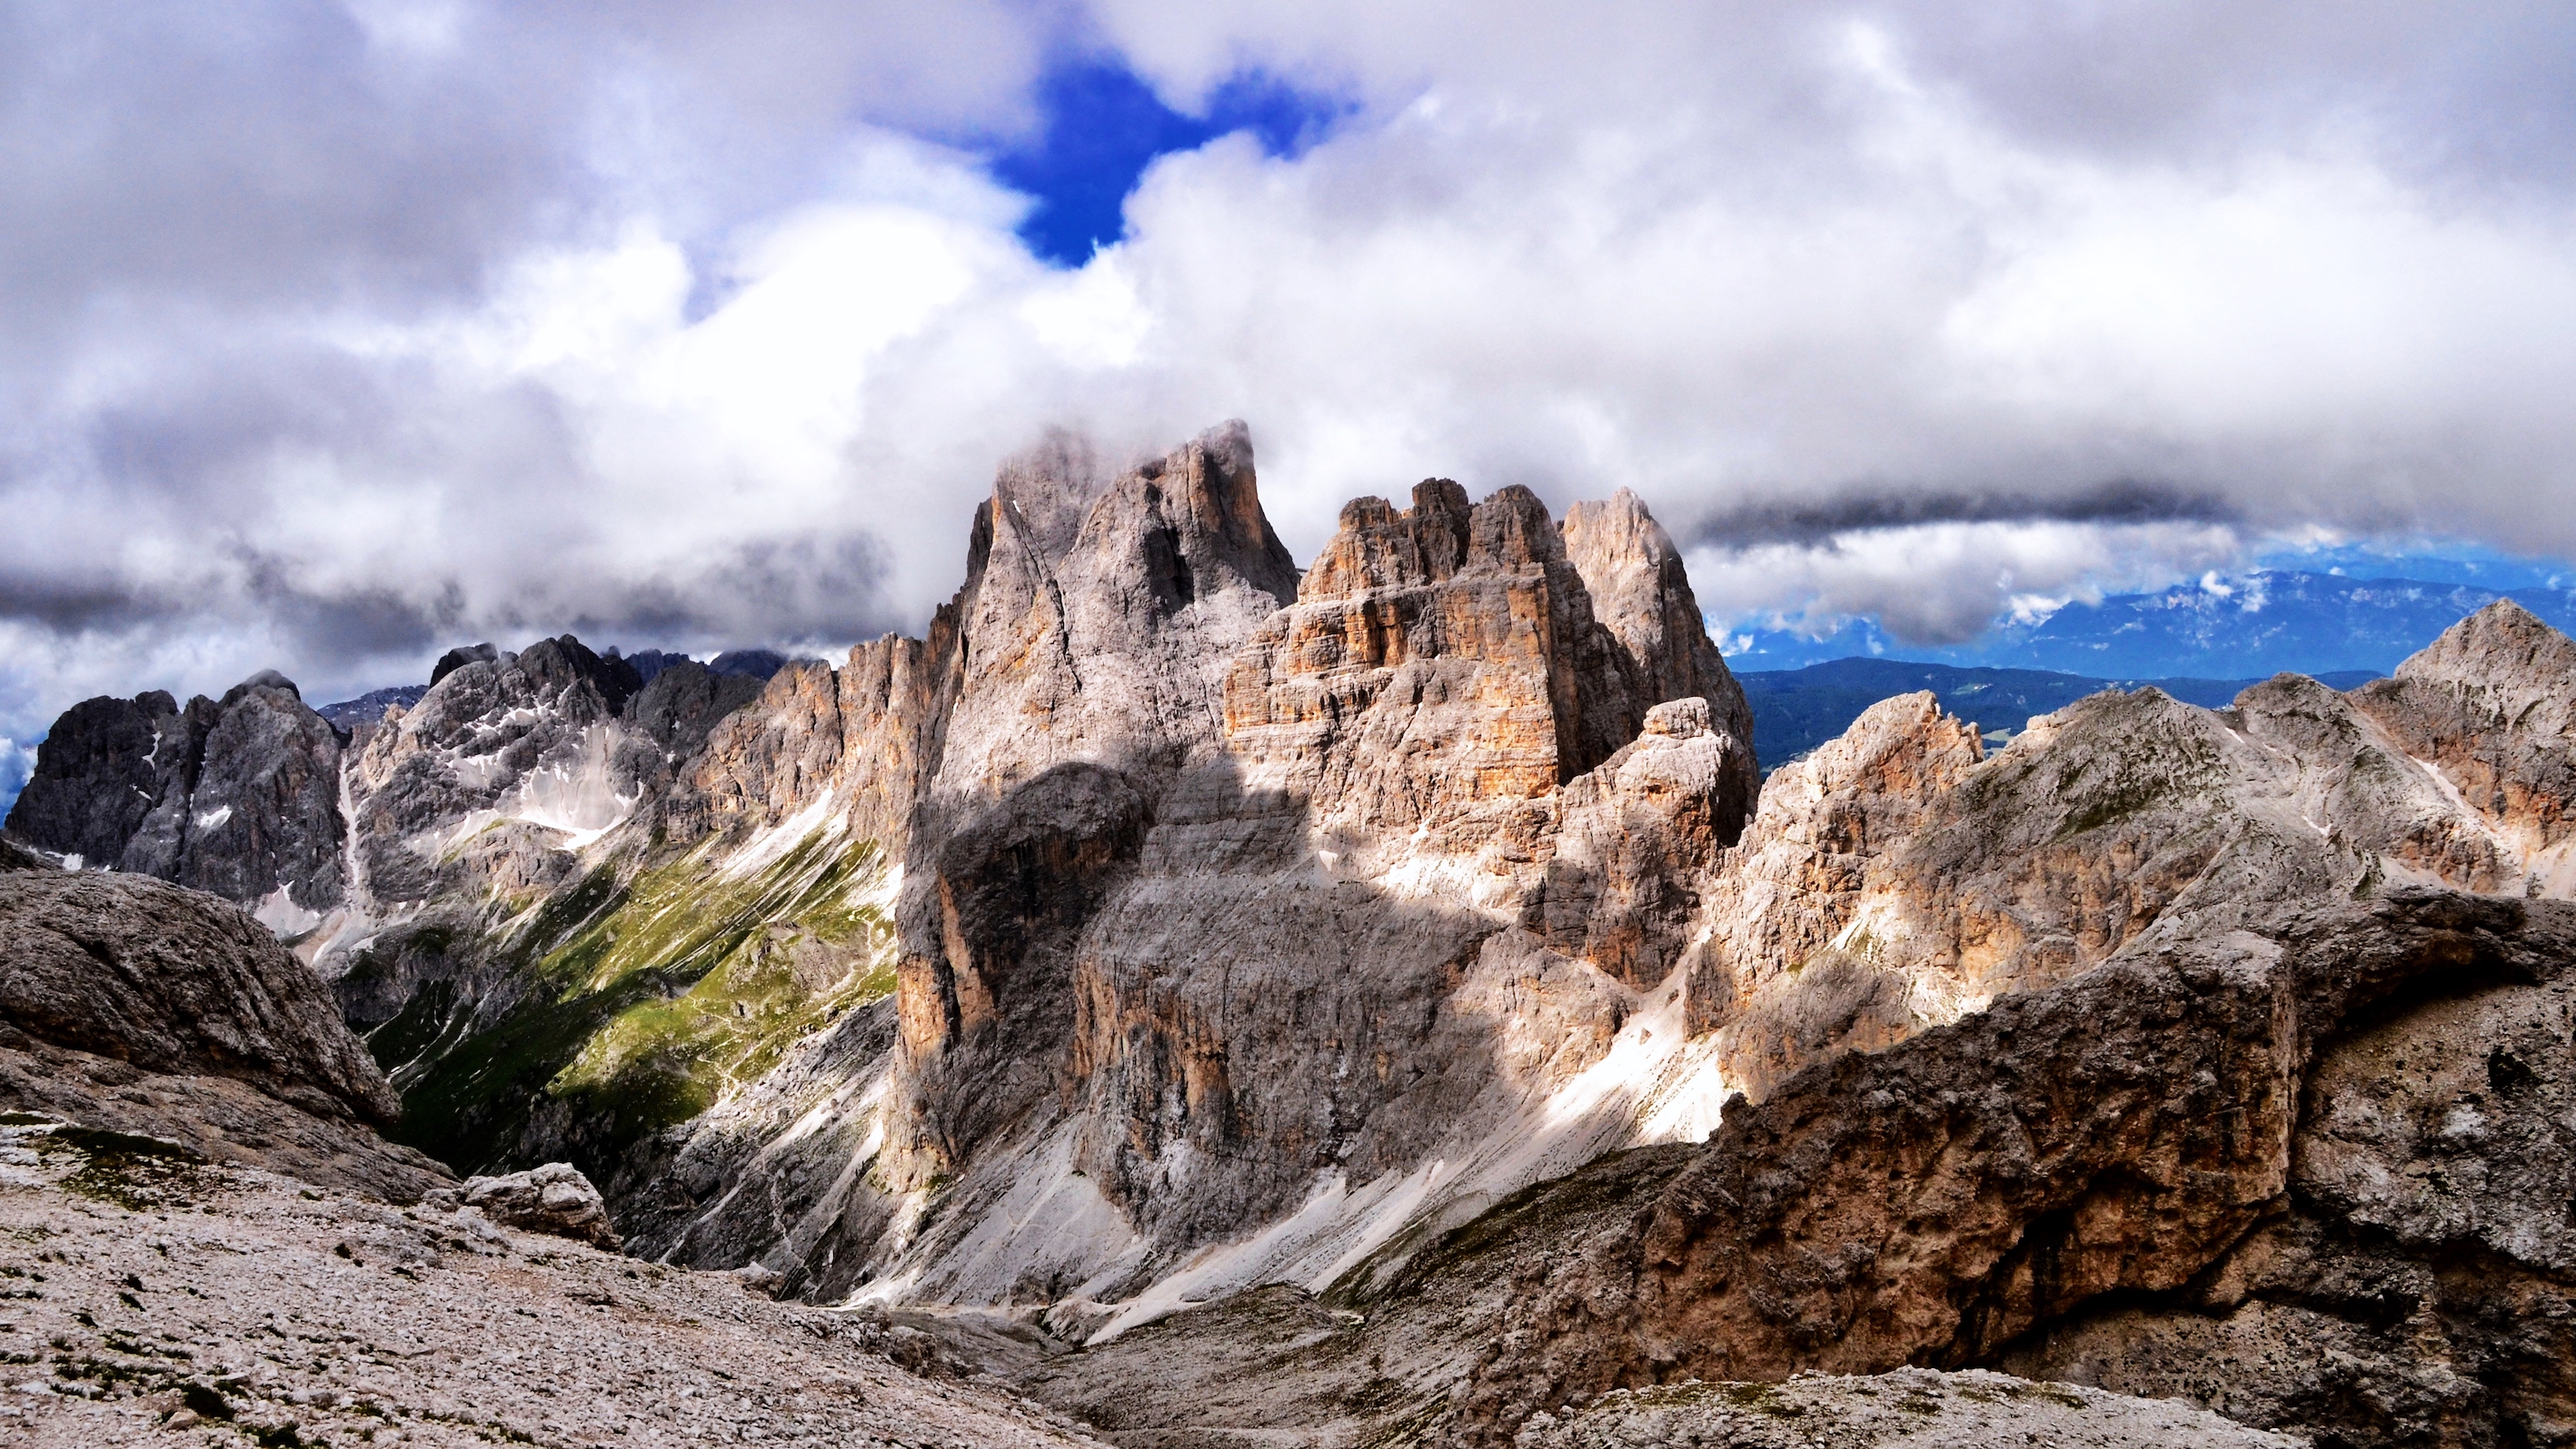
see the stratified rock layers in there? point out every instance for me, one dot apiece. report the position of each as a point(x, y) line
point(1166, 923)
point(1201, 858)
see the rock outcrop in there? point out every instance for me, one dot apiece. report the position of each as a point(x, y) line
point(95, 778)
point(137, 1006)
point(2143, 1178)
point(171, 981)
point(1199, 855)
point(1899, 877)
point(527, 742)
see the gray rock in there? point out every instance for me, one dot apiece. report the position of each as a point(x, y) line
point(460, 656)
point(264, 814)
point(2161, 1176)
point(369, 708)
point(554, 1198)
point(684, 700)
point(534, 736)
point(437, 1334)
point(172, 980)
point(238, 797)
point(94, 780)
point(1914, 1408)
point(131, 1005)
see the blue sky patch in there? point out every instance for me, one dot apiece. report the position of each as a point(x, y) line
point(1103, 127)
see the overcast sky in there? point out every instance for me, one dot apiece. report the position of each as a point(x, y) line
point(339, 331)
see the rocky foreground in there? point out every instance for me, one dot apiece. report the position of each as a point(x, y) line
point(151, 1296)
point(1907, 1409)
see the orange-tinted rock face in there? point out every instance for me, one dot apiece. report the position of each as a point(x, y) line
point(2490, 705)
point(2097, 1180)
point(1180, 822)
point(1926, 878)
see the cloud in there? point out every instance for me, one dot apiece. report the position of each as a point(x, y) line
point(341, 333)
point(1944, 583)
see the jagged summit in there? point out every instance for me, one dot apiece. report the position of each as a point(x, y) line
point(1166, 922)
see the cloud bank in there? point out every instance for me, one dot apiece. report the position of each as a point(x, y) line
point(344, 332)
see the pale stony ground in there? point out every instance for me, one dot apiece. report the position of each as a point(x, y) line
point(143, 1299)
point(1908, 1409)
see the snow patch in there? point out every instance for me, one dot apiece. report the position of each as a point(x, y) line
point(771, 845)
point(576, 795)
point(278, 911)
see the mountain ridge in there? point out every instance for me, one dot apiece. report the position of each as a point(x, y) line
point(1168, 923)
point(1795, 710)
point(2250, 625)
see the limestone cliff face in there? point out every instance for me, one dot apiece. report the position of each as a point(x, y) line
point(474, 787)
point(1346, 954)
point(1166, 924)
point(2195, 1172)
point(2488, 705)
point(1916, 879)
point(1642, 591)
point(1220, 888)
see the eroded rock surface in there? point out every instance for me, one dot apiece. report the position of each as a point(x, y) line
point(154, 1299)
point(1167, 932)
point(1907, 1409)
point(171, 981)
point(131, 1005)
point(1986, 1192)
point(1899, 877)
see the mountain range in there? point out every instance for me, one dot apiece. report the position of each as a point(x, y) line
point(1379, 1001)
point(2250, 625)
point(1795, 710)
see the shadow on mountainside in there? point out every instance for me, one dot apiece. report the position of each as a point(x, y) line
point(1156, 1016)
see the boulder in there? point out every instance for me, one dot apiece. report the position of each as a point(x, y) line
point(554, 1198)
point(130, 1005)
point(175, 981)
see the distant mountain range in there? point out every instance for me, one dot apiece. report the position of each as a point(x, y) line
point(369, 707)
point(1795, 710)
point(2246, 626)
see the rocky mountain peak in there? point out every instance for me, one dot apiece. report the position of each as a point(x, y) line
point(1641, 592)
point(238, 797)
point(95, 777)
point(266, 679)
point(1440, 536)
point(1099, 614)
point(460, 656)
point(1166, 930)
point(2504, 660)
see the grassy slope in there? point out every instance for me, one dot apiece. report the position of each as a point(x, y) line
point(647, 996)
